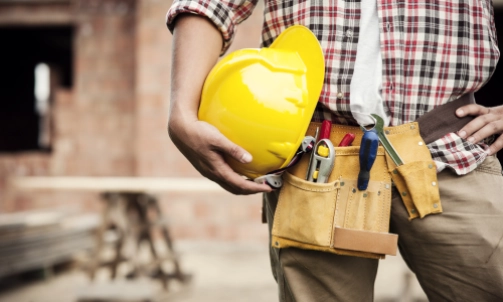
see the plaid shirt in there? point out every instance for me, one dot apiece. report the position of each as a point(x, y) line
point(433, 52)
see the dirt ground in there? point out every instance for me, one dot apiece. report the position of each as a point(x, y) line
point(221, 272)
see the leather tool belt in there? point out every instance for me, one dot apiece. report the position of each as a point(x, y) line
point(338, 218)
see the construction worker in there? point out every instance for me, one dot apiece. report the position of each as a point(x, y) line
point(399, 60)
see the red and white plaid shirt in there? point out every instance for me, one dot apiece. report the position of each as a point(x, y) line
point(433, 52)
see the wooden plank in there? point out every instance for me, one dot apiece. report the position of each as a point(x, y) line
point(47, 258)
point(22, 255)
point(28, 220)
point(43, 239)
point(115, 184)
point(14, 246)
point(36, 13)
point(33, 1)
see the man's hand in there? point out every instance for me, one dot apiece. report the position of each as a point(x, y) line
point(488, 121)
point(204, 146)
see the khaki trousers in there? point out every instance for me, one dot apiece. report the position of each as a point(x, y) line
point(456, 255)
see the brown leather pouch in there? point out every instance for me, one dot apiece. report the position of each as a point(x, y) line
point(335, 216)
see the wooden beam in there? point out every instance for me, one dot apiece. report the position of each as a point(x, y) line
point(33, 1)
point(36, 13)
point(115, 184)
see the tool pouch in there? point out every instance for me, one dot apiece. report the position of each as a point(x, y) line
point(338, 218)
point(335, 216)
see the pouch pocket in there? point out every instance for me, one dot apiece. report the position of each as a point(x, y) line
point(418, 187)
point(305, 211)
point(310, 215)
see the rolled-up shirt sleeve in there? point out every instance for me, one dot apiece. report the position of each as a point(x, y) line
point(226, 15)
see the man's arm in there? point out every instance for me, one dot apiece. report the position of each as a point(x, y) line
point(196, 47)
point(488, 121)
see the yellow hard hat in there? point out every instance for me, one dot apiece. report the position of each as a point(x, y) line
point(263, 99)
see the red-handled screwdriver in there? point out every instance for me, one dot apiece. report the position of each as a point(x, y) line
point(326, 126)
point(347, 140)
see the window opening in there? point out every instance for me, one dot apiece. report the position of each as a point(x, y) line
point(34, 63)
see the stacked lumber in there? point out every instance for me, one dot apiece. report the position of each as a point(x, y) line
point(41, 239)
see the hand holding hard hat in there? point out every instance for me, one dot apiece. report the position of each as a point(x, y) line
point(263, 99)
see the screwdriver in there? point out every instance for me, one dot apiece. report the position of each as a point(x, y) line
point(368, 153)
point(326, 126)
point(347, 140)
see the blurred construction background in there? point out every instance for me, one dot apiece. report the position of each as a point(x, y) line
point(87, 168)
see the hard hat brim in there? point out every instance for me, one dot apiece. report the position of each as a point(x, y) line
point(300, 39)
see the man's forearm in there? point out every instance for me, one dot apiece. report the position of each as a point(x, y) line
point(196, 47)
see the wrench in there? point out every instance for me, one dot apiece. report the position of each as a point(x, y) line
point(379, 126)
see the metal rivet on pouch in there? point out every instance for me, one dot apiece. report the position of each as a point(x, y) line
point(354, 190)
point(395, 171)
point(387, 131)
point(342, 183)
point(433, 183)
point(378, 193)
point(404, 193)
point(412, 127)
point(430, 166)
point(420, 143)
point(386, 186)
point(277, 243)
point(413, 211)
point(364, 194)
point(435, 205)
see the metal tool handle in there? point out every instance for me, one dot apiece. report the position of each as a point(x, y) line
point(272, 180)
point(322, 162)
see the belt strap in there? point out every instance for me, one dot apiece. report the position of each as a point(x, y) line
point(442, 120)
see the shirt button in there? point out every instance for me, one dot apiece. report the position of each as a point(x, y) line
point(349, 33)
point(340, 95)
point(388, 26)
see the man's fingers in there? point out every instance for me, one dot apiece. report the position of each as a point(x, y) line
point(471, 109)
point(496, 146)
point(489, 129)
point(224, 145)
point(481, 127)
point(488, 121)
point(236, 184)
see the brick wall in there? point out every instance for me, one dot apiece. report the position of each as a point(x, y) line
point(112, 122)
